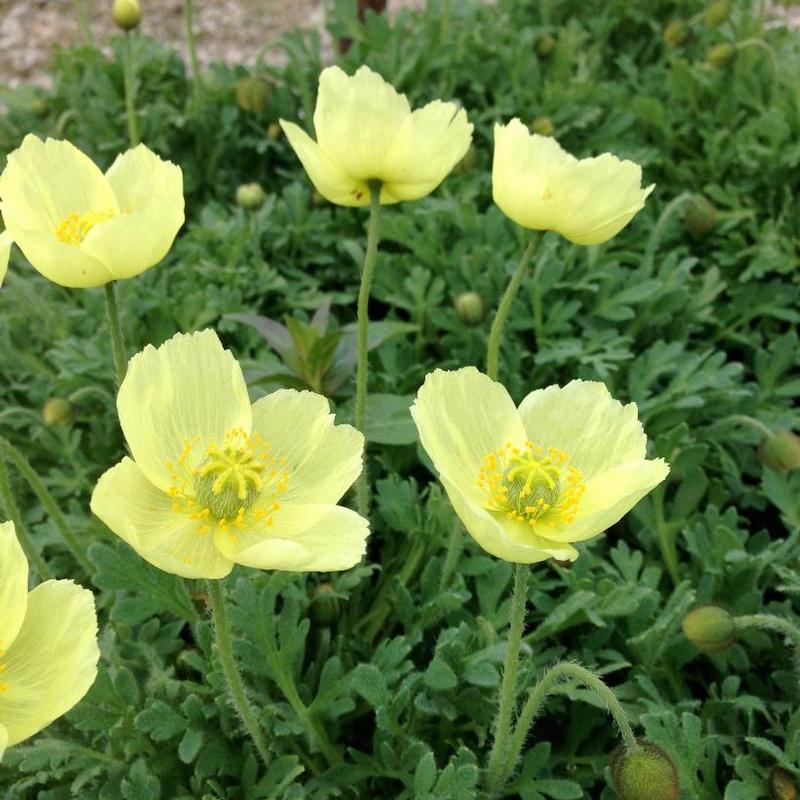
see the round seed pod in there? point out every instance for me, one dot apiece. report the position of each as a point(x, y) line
point(470, 308)
point(253, 94)
point(699, 215)
point(127, 14)
point(646, 773)
point(57, 411)
point(780, 452)
point(710, 628)
point(250, 196)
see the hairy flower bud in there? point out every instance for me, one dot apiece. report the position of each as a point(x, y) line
point(717, 13)
point(710, 628)
point(325, 607)
point(253, 94)
point(250, 196)
point(543, 126)
point(782, 785)
point(57, 411)
point(127, 14)
point(676, 33)
point(545, 45)
point(780, 452)
point(699, 215)
point(646, 773)
point(274, 131)
point(470, 308)
point(721, 55)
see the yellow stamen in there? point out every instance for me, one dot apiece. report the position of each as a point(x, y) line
point(74, 228)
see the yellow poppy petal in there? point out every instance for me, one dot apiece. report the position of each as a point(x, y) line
point(429, 143)
point(322, 459)
point(510, 541)
point(5, 252)
point(181, 395)
point(302, 538)
point(595, 431)
point(328, 177)
point(53, 660)
point(462, 416)
point(3, 741)
point(13, 586)
point(143, 516)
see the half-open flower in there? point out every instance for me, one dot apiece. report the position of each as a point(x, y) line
point(81, 228)
point(367, 133)
point(48, 646)
point(540, 186)
point(530, 482)
point(214, 480)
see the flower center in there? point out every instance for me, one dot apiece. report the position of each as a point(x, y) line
point(531, 483)
point(74, 228)
point(232, 481)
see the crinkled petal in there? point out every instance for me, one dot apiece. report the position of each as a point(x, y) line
point(357, 119)
point(5, 252)
point(302, 538)
point(13, 586)
point(189, 390)
point(596, 431)
point(53, 661)
point(508, 540)
point(327, 175)
point(429, 143)
point(322, 459)
point(141, 515)
point(462, 416)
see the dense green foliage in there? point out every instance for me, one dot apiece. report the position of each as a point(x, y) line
point(401, 662)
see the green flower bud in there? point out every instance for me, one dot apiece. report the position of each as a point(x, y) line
point(710, 628)
point(543, 126)
point(317, 199)
point(717, 13)
point(676, 33)
point(646, 773)
point(250, 196)
point(57, 411)
point(780, 452)
point(470, 308)
point(325, 607)
point(469, 161)
point(721, 55)
point(127, 14)
point(274, 131)
point(253, 94)
point(39, 106)
point(545, 45)
point(782, 785)
point(699, 215)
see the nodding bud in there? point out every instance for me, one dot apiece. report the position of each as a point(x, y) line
point(721, 55)
point(545, 45)
point(543, 126)
point(717, 13)
point(127, 14)
point(274, 131)
point(325, 607)
point(253, 94)
point(250, 196)
point(645, 773)
point(780, 452)
point(57, 411)
point(699, 215)
point(782, 785)
point(676, 33)
point(470, 308)
point(710, 627)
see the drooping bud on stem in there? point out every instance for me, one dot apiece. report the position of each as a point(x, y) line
point(717, 13)
point(644, 773)
point(780, 452)
point(782, 785)
point(127, 14)
point(250, 196)
point(676, 33)
point(57, 411)
point(253, 94)
point(699, 215)
point(721, 55)
point(470, 308)
point(710, 627)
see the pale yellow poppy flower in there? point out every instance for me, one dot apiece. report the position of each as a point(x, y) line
point(214, 480)
point(540, 186)
point(530, 482)
point(5, 254)
point(48, 646)
point(81, 228)
point(367, 132)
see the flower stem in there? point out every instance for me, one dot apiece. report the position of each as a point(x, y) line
point(115, 328)
point(233, 678)
point(130, 89)
point(49, 503)
point(545, 687)
point(362, 486)
point(508, 690)
point(744, 419)
point(493, 347)
point(83, 21)
point(23, 535)
point(191, 43)
point(771, 622)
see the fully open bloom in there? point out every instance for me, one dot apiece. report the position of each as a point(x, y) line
point(81, 228)
point(540, 186)
point(48, 646)
point(367, 132)
point(214, 480)
point(529, 482)
point(5, 253)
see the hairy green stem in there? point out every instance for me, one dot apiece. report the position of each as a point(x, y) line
point(233, 678)
point(495, 773)
point(130, 91)
point(83, 21)
point(743, 419)
point(362, 485)
point(117, 338)
point(545, 687)
point(665, 533)
point(188, 13)
point(493, 347)
point(48, 502)
point(23, 535)
point(666, 215)
point(771, 622)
